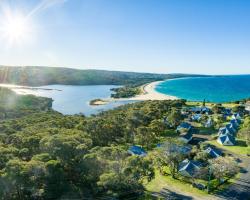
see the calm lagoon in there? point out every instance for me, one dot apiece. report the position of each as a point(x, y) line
point(69, 99)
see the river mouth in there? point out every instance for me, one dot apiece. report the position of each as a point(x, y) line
point(71, 99)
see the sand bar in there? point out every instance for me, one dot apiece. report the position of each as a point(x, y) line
point(149, 93)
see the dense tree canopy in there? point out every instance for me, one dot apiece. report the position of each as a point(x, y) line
point(46, 155)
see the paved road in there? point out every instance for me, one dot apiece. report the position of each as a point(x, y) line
point(240, 190)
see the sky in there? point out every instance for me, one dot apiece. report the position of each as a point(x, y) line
point(159, 36)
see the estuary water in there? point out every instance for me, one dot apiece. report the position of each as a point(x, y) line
point(71, 99)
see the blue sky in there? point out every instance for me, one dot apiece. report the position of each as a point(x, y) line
point(163, 36)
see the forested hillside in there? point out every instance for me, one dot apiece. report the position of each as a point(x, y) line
point(38, 76)
point(46, 155)
point(13, 105)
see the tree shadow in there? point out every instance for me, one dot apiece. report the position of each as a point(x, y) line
point(241, 143)
point(171, 195)
point(235, 192)
point(243, 170)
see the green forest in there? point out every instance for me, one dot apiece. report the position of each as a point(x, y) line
point(46, 155)
point(39, 76)
point(13, 105)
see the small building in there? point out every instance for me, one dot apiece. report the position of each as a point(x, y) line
point(188, 168)
point(186, 136)
point(227, 111)
point(209, 123)
point(137, 150)
point(173, 148)
point(186, 149)
point(184, 126)
point(195, 109)
point(200, 110)
point(236, 116)
point(196, 117)
point(225, 131)
point(231, 128)
point(205, 110)
point(213, 153)
point(235, 121)
point(226, 140)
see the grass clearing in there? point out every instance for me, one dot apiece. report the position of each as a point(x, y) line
point(199, 103)
point(160, 182)
point(241, 150)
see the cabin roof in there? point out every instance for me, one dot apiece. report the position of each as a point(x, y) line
point(189, 167)
point(184, 125)
point(226, 130)
point(235, 121)
point(236, 116)
point(184, 149)
point(187, 135)
point(137, 150)
point(196, 116)
point(226, 137)
point(214, 153)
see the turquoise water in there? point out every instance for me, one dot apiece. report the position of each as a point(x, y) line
point(70, 99)
point(214, 89)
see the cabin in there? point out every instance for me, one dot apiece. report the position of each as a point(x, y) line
point(200, 110)
point(225, 131)
point(231, 128)
point(188, 168)
point(227, 112)
point(235, 123)
point(184, 126)
point(236, 116)
point(209, 123)
point(137, 150)
point(196, 117)
point(173, 148)
point(186, 136)
point(185, 149)
point(226, 140)
point(206, 110)
point(195, 109)
point(213, 153)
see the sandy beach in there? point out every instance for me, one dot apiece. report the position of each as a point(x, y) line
point(149, 93)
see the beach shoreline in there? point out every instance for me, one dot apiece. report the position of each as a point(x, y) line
point(149, 93)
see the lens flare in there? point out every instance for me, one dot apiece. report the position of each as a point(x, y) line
point(15, 27)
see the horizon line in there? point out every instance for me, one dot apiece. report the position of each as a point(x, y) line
point(78, 68)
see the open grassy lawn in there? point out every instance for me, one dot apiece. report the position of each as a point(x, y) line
point(196, 103)
point(160, 182)
point(240, 147)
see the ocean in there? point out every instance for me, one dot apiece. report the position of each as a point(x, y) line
point(216, 89)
